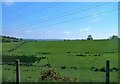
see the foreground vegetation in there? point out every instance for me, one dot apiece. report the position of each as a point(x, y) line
point(79, 60)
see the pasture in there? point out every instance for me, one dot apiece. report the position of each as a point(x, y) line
point(80, 59)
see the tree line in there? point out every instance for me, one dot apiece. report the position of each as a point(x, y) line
point(10, 39)
point(111, 37)
point(15, 39)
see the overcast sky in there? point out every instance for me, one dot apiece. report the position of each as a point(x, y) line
point(60, 20)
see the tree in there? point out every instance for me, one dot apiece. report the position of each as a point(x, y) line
point(113, 37)
point(10, 39)
point(89, 37)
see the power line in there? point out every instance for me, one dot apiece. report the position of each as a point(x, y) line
point(46, 6)
point(18, 9)
point(24, 13)
point(80, 18)
point(63, 14)
point(73, 12)
point(77, 10)
point(84, 17)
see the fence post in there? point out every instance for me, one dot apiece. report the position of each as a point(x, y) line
point(17, 71)
point(107, 71)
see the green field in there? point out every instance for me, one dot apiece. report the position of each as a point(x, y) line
point(73, 59)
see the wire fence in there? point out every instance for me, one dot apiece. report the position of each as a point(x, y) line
point(24, 72)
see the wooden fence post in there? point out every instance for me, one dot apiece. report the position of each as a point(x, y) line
point(107, 71)
point(17, 71)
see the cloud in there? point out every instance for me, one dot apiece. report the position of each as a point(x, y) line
point(49, 31)
point(87, 29)
point(95, 20)
point(66, 32)
point(84, 29)
point(9, 3)
point(28, 31)
point(95, 17)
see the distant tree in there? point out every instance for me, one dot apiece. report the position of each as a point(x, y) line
point(64, 39)
point(68, 39)
point(113, 37)
point(21, 39)
point(10, 39)
point(89, 37)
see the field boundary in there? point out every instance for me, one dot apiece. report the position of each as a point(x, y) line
point(17, 46)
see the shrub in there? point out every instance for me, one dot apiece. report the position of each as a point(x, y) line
point(28, 59)
point(52, 75)
point(49, 74)
point(63, 67)
point(115, 69)
point(92, 69)
point(96, 69)
point(103, 69)
point(73, 68)
point(80, 55)
point(68, 52)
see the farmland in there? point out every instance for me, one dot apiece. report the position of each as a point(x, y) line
point(80, 59)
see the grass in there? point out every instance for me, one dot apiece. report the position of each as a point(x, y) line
point(68, 54)
point(8, 46)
